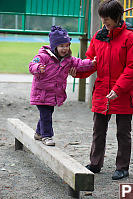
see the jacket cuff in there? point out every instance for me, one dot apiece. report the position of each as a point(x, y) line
point(117, 90)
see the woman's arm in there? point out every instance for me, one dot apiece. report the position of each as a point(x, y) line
point(125, 81)
point(90, 53)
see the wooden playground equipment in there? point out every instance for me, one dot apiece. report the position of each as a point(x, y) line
point(50, 8)
point(80, 9)
point(128, 7)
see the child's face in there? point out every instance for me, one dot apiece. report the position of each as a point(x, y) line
point(63, 49)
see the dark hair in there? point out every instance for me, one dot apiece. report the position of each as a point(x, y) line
point(112, 9)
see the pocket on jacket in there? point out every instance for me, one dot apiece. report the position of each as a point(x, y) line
point(46, 86)
point(42, 96)
point(35, 94)
point(123, 55)
point(49, 86)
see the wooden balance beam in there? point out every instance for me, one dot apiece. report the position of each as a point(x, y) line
point(71, 171)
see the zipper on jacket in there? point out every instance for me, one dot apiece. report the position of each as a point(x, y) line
point(109, 77)
point(106, 111)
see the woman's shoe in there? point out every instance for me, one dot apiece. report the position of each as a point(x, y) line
point(119, 174)
point(94, 169)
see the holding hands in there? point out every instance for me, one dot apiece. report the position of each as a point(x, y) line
point(94, 61)
point(73, 71)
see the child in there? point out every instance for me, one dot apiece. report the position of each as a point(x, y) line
point(50, 69)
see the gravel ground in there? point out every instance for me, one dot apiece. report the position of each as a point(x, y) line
point(23, 175)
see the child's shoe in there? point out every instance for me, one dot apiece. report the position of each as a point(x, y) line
point(37, 136)
point(48, 141)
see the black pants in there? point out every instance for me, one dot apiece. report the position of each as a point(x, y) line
point(123, 122)
point(44, 126)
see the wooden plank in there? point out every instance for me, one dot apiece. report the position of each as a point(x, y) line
point(71, 171)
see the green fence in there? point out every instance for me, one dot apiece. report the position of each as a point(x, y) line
point(72, 9)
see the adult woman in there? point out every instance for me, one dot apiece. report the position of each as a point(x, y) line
point(112, 94)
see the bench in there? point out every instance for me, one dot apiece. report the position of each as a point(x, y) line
point(71, 171)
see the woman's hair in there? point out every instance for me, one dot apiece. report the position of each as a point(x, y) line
point(112, 9)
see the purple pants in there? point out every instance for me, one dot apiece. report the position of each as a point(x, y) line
point(123, 122)
point(44, 126)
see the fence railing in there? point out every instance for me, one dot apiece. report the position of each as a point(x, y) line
point(50, 8)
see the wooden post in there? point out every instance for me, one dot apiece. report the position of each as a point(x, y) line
point(82, 82)
point(83, 48)
point(18, 145)
point(73, 193)
point(95, 25)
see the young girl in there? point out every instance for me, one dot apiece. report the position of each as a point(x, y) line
point(50, 69)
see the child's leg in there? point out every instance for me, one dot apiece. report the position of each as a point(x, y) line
point(44, 126)
point(37, 135)
point(38, 127)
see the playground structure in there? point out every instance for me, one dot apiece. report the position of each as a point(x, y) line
point(81, 10)
point(77, 177)
point(128, 14)
point(45, 8)
point(83, 32)
point(69, 9)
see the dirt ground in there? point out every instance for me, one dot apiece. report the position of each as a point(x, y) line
point(23, 175)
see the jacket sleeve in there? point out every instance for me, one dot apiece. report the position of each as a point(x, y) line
point(84, 65)
point(125, 81)
point(34, 65)
point(90, 54)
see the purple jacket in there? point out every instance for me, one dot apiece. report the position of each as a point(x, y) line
point(49, 88)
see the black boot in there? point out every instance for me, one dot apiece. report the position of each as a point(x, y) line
point(94, 169)
point(119, 174)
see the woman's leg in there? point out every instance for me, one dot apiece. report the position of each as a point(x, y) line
point(44, 126)
point(99, 139)
point(123, 122)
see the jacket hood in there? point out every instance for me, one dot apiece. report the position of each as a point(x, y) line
point(46, 49)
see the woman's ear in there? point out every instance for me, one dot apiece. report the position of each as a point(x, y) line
point(118, 21)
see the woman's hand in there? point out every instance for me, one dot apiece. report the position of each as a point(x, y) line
point(112, 95)
point(72, 72)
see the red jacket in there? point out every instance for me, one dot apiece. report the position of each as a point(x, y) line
point(114, 68)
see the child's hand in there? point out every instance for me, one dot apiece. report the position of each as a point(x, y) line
point(42, 69)
point(72, 72)
point(94, 61)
